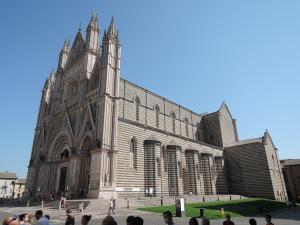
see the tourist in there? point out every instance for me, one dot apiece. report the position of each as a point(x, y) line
point(23, 218)
point(193, 221)
point(228, 221)
point(252, 221)
point(70, 219)
point(130, 220)
point(138, 221)
point(168, 218)
point(205, 221)
point(111, 206)
point(109, 221)
point(268, 219)
point(85, 219)
point(10, 221)
point(41, 220)
point(30, 218)
point(114, 204)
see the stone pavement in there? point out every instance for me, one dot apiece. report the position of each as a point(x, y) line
point(281, 217)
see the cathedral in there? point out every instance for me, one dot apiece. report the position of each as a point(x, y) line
point(98, 135)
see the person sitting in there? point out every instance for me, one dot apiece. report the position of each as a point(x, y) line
point(11, 221)
point(130, 220)
point(41, 220)
point(70, 219)
point(193, 221)
point(85, 219)
point(205, 221)
point(168, 218)
point(109, 221)
point(268, 219)
point(138, 221)
point(252, 221)
point(23, 218)
point(228, 221)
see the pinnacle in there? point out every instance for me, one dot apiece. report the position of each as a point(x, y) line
point(112, 27)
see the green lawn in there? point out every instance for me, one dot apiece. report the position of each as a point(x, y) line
point(236, 208)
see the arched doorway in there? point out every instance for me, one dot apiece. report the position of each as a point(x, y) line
point(85, 165)
point(190, 163)
point(150, 166)
point(63, 170)
point(206, 171)
point(171, 161)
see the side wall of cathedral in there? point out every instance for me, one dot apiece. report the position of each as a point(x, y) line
point(148, 121)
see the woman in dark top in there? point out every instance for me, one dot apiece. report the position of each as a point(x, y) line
point(85, 219)
point(70, 219)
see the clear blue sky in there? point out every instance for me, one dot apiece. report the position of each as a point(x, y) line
point(244, 52)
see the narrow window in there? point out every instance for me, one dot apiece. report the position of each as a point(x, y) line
point(133, 153)
point(173, 122)
point(186, 126)
point(158, 160)
point(157, 113)
point(137, 109)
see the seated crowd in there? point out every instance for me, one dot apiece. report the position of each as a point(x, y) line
point(41, 219)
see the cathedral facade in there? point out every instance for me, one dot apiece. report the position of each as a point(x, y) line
point(99, 135)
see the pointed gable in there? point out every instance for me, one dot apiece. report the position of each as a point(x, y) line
point(77, 49)
point(224, 109)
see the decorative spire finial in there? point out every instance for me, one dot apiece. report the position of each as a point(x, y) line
point(79, 29)
point(112, 27)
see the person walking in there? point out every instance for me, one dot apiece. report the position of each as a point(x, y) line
point(111, 206)
point(228, 221)
point(70, 219)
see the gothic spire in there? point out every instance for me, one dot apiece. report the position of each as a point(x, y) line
point(93, 24)
point(112, 27)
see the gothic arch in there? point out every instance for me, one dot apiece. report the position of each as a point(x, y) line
point(61, 141)
point(86, 142)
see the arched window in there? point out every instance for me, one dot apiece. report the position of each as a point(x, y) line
point(64, 154)
point(133, 153)
point(157, 113)
point(173, 122)
point(186, 121)
point(137, 109)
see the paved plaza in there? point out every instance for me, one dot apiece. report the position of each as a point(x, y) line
point(282, 217)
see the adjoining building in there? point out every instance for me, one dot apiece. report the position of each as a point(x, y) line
point(19, 188)
point(253, 168)
point(291, 174)
point(7, 181)
point(99, 135)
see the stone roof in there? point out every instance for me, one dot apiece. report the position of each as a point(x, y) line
point(7, 175)
point(21, 181)
point(245, 142)
point(289, 162)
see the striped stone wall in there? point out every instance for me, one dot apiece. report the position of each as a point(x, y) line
point(130, 181)
point(251, 171)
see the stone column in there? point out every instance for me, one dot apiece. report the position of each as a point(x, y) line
point(95, 169)
point(212, 173)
